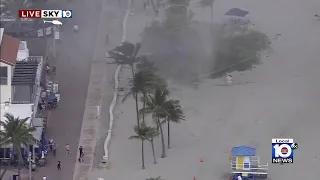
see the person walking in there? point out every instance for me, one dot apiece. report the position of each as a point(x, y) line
point(80, 151)
point(51, 144)
point(54, 149)
point(81, 154)
point(67, 149)
point(59, 165)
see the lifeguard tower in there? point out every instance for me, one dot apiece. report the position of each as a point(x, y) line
point(246, 164)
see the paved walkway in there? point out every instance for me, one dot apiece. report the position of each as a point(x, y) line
point(77, 56)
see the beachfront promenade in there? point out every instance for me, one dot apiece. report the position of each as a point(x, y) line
point(280, 101)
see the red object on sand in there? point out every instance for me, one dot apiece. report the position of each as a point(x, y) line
point(201, 160)
point(194, 178)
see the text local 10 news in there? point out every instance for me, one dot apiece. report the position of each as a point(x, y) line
point(47, 14)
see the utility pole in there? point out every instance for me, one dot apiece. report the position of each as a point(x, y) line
point(56, 36)
point(54, 41)
point(30, 166)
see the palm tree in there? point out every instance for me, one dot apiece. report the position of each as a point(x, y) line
point(144, 62)
point(18, 133)
point(174, 114)
point(208, 3)
point(156, 104)
point(143, 82)
point(152, 178)
point(126, 54)
point(143, 133)
point(10, 9)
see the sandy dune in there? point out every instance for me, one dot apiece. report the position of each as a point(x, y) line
point(282, 101)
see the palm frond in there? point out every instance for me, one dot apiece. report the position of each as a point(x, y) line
point(126, 96)
point(144, 132)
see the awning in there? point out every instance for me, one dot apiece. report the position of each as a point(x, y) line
point(37, 134)
point(37, 122)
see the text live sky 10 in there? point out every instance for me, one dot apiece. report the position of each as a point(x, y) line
point(46, 14)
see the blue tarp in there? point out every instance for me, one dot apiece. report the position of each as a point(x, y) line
point(237, 12)
point(43, 142)
point(52, 98)
point(243, 151)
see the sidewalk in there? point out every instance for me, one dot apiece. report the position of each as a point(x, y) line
point(9, 174)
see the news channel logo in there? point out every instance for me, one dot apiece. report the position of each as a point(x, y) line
point(66, 13)
point(282, 150)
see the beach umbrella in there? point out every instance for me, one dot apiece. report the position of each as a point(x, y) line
point(236, 12)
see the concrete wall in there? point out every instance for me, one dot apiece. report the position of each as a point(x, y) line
point(6, 90)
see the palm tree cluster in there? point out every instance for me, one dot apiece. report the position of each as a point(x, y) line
point(17, 133)
point(151, 89)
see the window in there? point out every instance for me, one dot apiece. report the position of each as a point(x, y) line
point(3, 75)
point(246, 165)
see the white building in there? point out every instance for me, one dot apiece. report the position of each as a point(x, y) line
point(19, 82)
point(8, 59)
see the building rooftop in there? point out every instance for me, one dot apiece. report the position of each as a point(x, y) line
point(17, 110)
point(243, 151)
point(9, 49)
point(25, 72)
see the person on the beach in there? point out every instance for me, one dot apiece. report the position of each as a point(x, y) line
point(67, 149)
point(59, 165)
point(229, 79)
point(80, 151)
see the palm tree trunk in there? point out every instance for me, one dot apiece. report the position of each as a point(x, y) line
point(132, 70)
point(19, 171)
point(153, 153)
point(211, 30)
point(137, 108)
point(136, 98)
point(19, 161)
point(211, 14)
point(169, 135)
point(155, 9)
point(144, 106)
point(162, 140)
point(142, 151)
